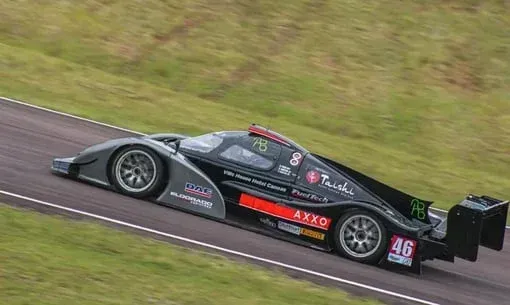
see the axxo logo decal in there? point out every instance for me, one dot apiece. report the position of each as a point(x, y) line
point(284, 212)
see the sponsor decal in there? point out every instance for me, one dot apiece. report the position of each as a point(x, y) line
point(313, 176)
point(308, 196)
point(284, 212)
point(337, 188)
point(284, 170)
point(402, 250)
point(255, 181)
point(418, 209)
point(268, 222)
point(260, 144)
point(311, 219)
point(198, 190)
point(289, 228)
point(296, 159)
point(193, 200)
point(312, 233)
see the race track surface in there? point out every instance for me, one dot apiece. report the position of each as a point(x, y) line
point(30, 138)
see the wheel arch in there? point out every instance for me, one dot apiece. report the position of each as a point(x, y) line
point(160, 154)
point(172, 192)
point(392, 221)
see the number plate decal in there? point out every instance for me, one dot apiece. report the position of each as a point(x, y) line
point(402, 250)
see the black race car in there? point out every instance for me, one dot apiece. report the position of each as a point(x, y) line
point(261, 180)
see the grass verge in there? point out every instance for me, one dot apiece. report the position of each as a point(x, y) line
point(48, 260)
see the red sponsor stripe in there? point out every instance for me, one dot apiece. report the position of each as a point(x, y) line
point(284, 212)
point(266, 134)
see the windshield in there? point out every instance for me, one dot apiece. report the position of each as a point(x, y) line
point(204, 143)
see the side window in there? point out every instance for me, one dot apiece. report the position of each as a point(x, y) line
point(253, 152)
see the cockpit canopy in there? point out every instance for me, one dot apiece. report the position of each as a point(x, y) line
point(208, 142)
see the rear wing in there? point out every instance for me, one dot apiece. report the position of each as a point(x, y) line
point(476, 221)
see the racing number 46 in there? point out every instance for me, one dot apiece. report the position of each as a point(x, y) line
point(402, 250)
point(404, 247)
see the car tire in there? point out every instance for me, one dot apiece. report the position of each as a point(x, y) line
point(361, 236)
point(137, 171)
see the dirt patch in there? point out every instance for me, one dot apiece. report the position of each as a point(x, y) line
point(464, 76)
point(178, 31)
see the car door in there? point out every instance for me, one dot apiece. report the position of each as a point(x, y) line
point(252, 162)
point(321, 183)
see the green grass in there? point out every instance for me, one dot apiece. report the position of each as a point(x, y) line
point(414, 93)
point(48, 260)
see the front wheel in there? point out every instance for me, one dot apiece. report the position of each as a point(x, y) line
point(137, 171)
point(361, 236)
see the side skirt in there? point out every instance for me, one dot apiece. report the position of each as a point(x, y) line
point(252, 225)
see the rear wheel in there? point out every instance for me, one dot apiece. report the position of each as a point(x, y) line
point(361, 236)
point(137, 171)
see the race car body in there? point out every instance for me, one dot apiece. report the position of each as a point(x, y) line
point(263, 181)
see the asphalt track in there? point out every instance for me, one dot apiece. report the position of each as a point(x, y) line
point(30, 138)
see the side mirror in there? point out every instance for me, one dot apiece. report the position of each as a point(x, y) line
point(177, 145)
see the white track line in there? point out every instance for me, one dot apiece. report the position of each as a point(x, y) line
point(206, 245)
point(114, 127)
point(69, 115)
